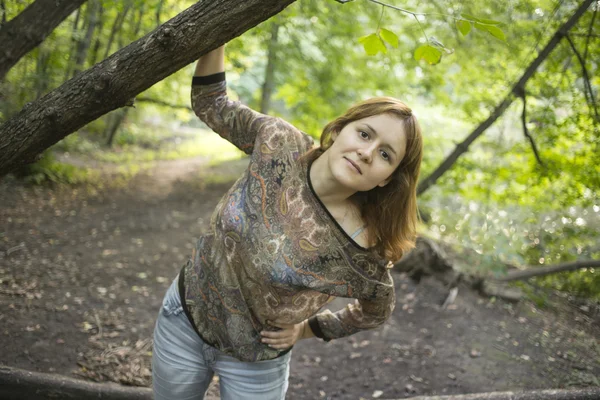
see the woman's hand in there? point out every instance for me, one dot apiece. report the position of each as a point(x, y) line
point(286, 337)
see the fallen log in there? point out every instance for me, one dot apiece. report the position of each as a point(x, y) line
point(18, 384)
point(531, 272)
point(589, 393)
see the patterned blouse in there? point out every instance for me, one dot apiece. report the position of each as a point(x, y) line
point(273, 251)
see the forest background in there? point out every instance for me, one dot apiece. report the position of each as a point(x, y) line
point(507, 99)
point(523, 194)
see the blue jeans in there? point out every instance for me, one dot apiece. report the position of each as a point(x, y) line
point(183, 365)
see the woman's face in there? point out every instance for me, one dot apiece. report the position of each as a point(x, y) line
point(366, 152)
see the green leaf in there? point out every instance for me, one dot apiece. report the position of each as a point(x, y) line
point(497, 33)
point(373, 44)
point(426, 52)
point(493, 30)
point(389, 37)
point(470, 17)
point(463, 26)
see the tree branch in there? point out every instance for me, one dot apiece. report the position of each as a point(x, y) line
point(586, 80)
point(112, 83)
point(27, 30)
point(526, 131)
point(463, 147)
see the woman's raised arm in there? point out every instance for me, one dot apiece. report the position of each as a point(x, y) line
point(232, 120)
point(211, 63)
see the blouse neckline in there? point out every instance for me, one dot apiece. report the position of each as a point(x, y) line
point(325, 211)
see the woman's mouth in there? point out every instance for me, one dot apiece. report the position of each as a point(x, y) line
point(356, 167)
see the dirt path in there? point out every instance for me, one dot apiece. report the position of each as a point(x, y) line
point(82, 274)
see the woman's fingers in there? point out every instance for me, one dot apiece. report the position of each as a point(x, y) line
point(282, 326)
point(278, 339)
point(278, 343)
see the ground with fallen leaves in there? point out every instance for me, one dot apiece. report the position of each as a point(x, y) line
point(83, 272)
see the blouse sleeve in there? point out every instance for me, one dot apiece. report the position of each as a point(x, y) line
point(232, 120)
point(361, 315)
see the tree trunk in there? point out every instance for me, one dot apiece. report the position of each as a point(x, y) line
point(27, 30)
point(74, 42)
point(114, 82)
point(96, 47)
point(117, 120)
point(269, 83)
point(117, 26)
point(517, 90)
point(41, 76)
point(84, 44)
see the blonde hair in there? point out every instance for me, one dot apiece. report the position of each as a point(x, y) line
point(390, 212)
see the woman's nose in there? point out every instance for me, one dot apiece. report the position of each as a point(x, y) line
point(365, 154)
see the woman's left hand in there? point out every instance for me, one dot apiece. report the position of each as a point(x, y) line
point(286, 337)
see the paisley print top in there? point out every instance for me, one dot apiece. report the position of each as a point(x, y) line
point(273, 252)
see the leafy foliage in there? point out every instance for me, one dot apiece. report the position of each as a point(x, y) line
point(452, 62)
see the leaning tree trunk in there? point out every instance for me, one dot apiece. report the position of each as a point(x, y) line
point(114, 82)
point(517, 90)
point(28, 29)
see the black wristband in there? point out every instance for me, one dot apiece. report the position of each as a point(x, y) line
point(208, 79)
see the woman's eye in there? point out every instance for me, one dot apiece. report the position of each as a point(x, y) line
point(385, 155)
point(364, 135)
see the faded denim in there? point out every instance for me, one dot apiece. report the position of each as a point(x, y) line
point(183, 365)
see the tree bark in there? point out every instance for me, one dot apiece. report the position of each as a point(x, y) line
point(517, 89)
point(114, 82)
point(16, 384)
point(28, 29)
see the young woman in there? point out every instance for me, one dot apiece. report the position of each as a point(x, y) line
point(300, 227)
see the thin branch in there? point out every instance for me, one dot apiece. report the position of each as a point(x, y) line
point(421, 26)
point(587, 39)
point(395, 8)
point(586, 80)
point(526, 131)
point(463, 147)
point(380, 18)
